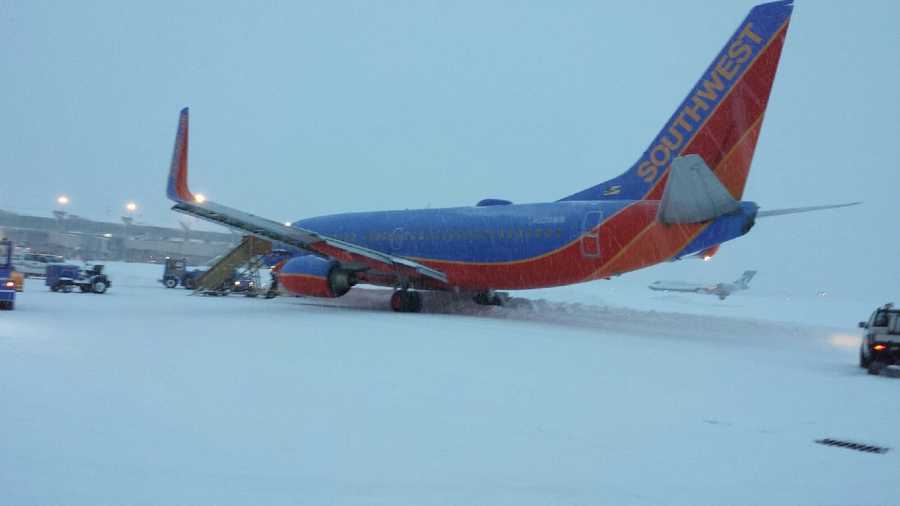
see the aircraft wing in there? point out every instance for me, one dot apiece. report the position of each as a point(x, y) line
point(313, 242)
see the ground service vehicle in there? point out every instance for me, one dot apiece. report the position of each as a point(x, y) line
point(35, 264)
point(66, 277)
point(881, 342)
point(176, 273)
point(7, 285)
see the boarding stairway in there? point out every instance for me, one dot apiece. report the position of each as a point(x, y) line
point(246, 255)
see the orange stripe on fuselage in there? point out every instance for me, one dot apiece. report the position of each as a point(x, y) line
point(656, 243)
point(562, 267)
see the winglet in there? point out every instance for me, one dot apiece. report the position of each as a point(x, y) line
point(177, 187)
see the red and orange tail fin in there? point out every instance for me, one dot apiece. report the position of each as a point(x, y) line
point(721, 117)
point(177, 186)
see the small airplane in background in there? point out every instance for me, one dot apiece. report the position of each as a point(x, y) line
point(721, 290)
point(683, 197)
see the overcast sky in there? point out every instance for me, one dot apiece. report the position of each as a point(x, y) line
point(300, 109)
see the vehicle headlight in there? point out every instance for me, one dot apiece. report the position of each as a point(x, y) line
point(9, 284)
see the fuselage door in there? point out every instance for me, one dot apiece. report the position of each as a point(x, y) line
point(590, 238)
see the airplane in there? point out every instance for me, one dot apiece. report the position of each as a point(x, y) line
point(721, 290)
point(681, 198)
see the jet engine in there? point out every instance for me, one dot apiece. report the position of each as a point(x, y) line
point(315, 277)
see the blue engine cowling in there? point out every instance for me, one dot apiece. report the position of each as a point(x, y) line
point(316, 277)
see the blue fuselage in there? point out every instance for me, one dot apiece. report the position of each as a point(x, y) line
point(507, 233)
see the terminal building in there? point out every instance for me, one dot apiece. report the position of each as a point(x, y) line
point(78, 238)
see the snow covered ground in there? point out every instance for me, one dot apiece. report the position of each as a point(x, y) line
point(605, 393)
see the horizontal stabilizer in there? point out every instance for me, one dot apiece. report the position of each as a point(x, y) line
point(693, 193)
point(796, 210)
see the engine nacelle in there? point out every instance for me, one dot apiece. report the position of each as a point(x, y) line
point(315, 277)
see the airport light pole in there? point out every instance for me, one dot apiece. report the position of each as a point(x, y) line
point(130, 208)
point(62, 201)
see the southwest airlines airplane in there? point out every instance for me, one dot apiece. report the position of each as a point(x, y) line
point(682, 197)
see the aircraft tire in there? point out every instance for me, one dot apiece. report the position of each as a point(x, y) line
point(405, 301)
point(488, 299)
point(98, 286)
point(874, 368)
point(862, 360)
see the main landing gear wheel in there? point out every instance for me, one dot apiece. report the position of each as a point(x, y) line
point(488, 299)
point(405, 301)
